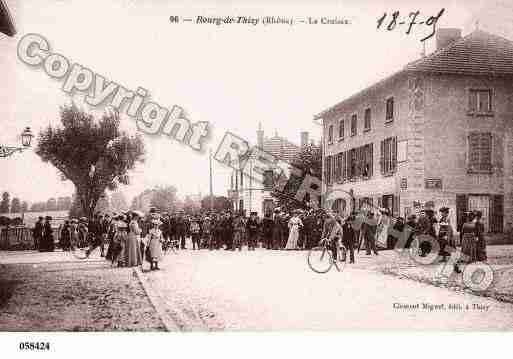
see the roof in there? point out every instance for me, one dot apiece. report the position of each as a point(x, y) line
point(479, 53)
point(6, 20)
point(280, 148)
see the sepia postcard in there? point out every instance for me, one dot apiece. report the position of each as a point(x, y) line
point(254, 166)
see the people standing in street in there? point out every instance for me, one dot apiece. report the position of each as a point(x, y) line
point(470, 234)
point(267, 231)
point(252, 227)
point(349, 236)
point(37, 234)
point(47, 240)
point(195, 233)
point(369, 234)
point(481, 243)
point(65, 236)
point(445, 234)
point(277, 232)
point(181, 230)
point(332, 232)
point(426, 227)
point(294, 225)
point(120, 240)
point(133, 256)
point(238, 232)
point(228, 231)
point(154, 245)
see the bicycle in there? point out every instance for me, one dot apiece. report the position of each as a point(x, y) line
point(320, 258)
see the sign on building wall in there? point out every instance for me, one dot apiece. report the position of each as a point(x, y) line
point(433, 183)
point(404, 183)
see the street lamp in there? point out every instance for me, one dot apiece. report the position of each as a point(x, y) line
point(26, 139)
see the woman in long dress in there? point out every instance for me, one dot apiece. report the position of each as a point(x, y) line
point(154, 245)
point(382, 230)
point(120, 239)
point(294, 224)
point(132, 253)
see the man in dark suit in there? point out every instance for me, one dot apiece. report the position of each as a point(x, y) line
point(37, 233)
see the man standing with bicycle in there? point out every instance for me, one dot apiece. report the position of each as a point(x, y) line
point(332, 232)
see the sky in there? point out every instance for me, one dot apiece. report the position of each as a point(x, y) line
point(233, 76)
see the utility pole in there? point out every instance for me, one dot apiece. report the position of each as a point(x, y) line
point(211, 190)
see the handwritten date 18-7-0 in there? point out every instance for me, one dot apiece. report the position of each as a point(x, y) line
point(395, 20)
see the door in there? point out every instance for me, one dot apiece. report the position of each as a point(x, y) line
point(480, 203)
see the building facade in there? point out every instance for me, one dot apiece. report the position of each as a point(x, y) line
point(249, 195)
point(439, 130)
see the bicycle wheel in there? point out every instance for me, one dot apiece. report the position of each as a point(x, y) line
point(319, 259)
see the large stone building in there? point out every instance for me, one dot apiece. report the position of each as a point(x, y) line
point(248, 195)
point(440, 129)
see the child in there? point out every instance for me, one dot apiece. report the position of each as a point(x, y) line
point(154, 244)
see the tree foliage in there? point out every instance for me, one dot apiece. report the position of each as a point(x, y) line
point(15, 205)
point(93, 154)
point(4, 205)
point(309, 162)
point(164, 198)
point(221, 203)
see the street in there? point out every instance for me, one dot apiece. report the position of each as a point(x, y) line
point(276, 290)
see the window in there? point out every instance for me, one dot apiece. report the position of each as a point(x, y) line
point(341, 130)
point(390, 110)
point(354, 121)
point(338, 167)
point(389, 155)
point(268, 179)
point(367, 161)
point(480, 101)
point(327, 169)
point(330, 134)
point(367, 120)
point(480, 152)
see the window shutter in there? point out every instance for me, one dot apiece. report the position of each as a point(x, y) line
point(382, 157)
point(472, 100)
point(395, 211)
point(371, 165)
point(394, 154)
point(486, 151)
point(496, 219)
point(473, 151)
point(461, 208)
point(498, 151)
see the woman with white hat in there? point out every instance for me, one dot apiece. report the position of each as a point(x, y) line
point(154, 244)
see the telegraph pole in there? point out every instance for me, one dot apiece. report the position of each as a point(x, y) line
point(211, 190)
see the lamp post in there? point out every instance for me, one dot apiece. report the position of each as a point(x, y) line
point(26, 139)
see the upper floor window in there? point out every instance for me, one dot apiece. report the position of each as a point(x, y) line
point(330, 134)
point(480, 152)
point(389, 110)
point(367, 120)
point(354, 123)
point(480, 101)
point(388, 155)
point(341, 130)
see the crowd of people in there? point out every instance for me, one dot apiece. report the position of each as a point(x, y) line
point(128, 238)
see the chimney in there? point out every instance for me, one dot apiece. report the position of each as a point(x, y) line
point(446, 36)
point(260, 136)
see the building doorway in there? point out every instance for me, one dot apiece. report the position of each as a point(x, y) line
point(480, 203)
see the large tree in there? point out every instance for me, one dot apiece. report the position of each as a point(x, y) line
point(118, 202)
point(221, 203)
point(308, 161)
point(15, 205)
point(4, 205)
point(51, 204)
point(24, 206)
point(93, 154)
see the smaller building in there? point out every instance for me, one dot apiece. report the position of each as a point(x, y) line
point(246, 194)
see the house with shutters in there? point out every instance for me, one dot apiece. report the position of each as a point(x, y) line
point(440, 130)
point(248, 195)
